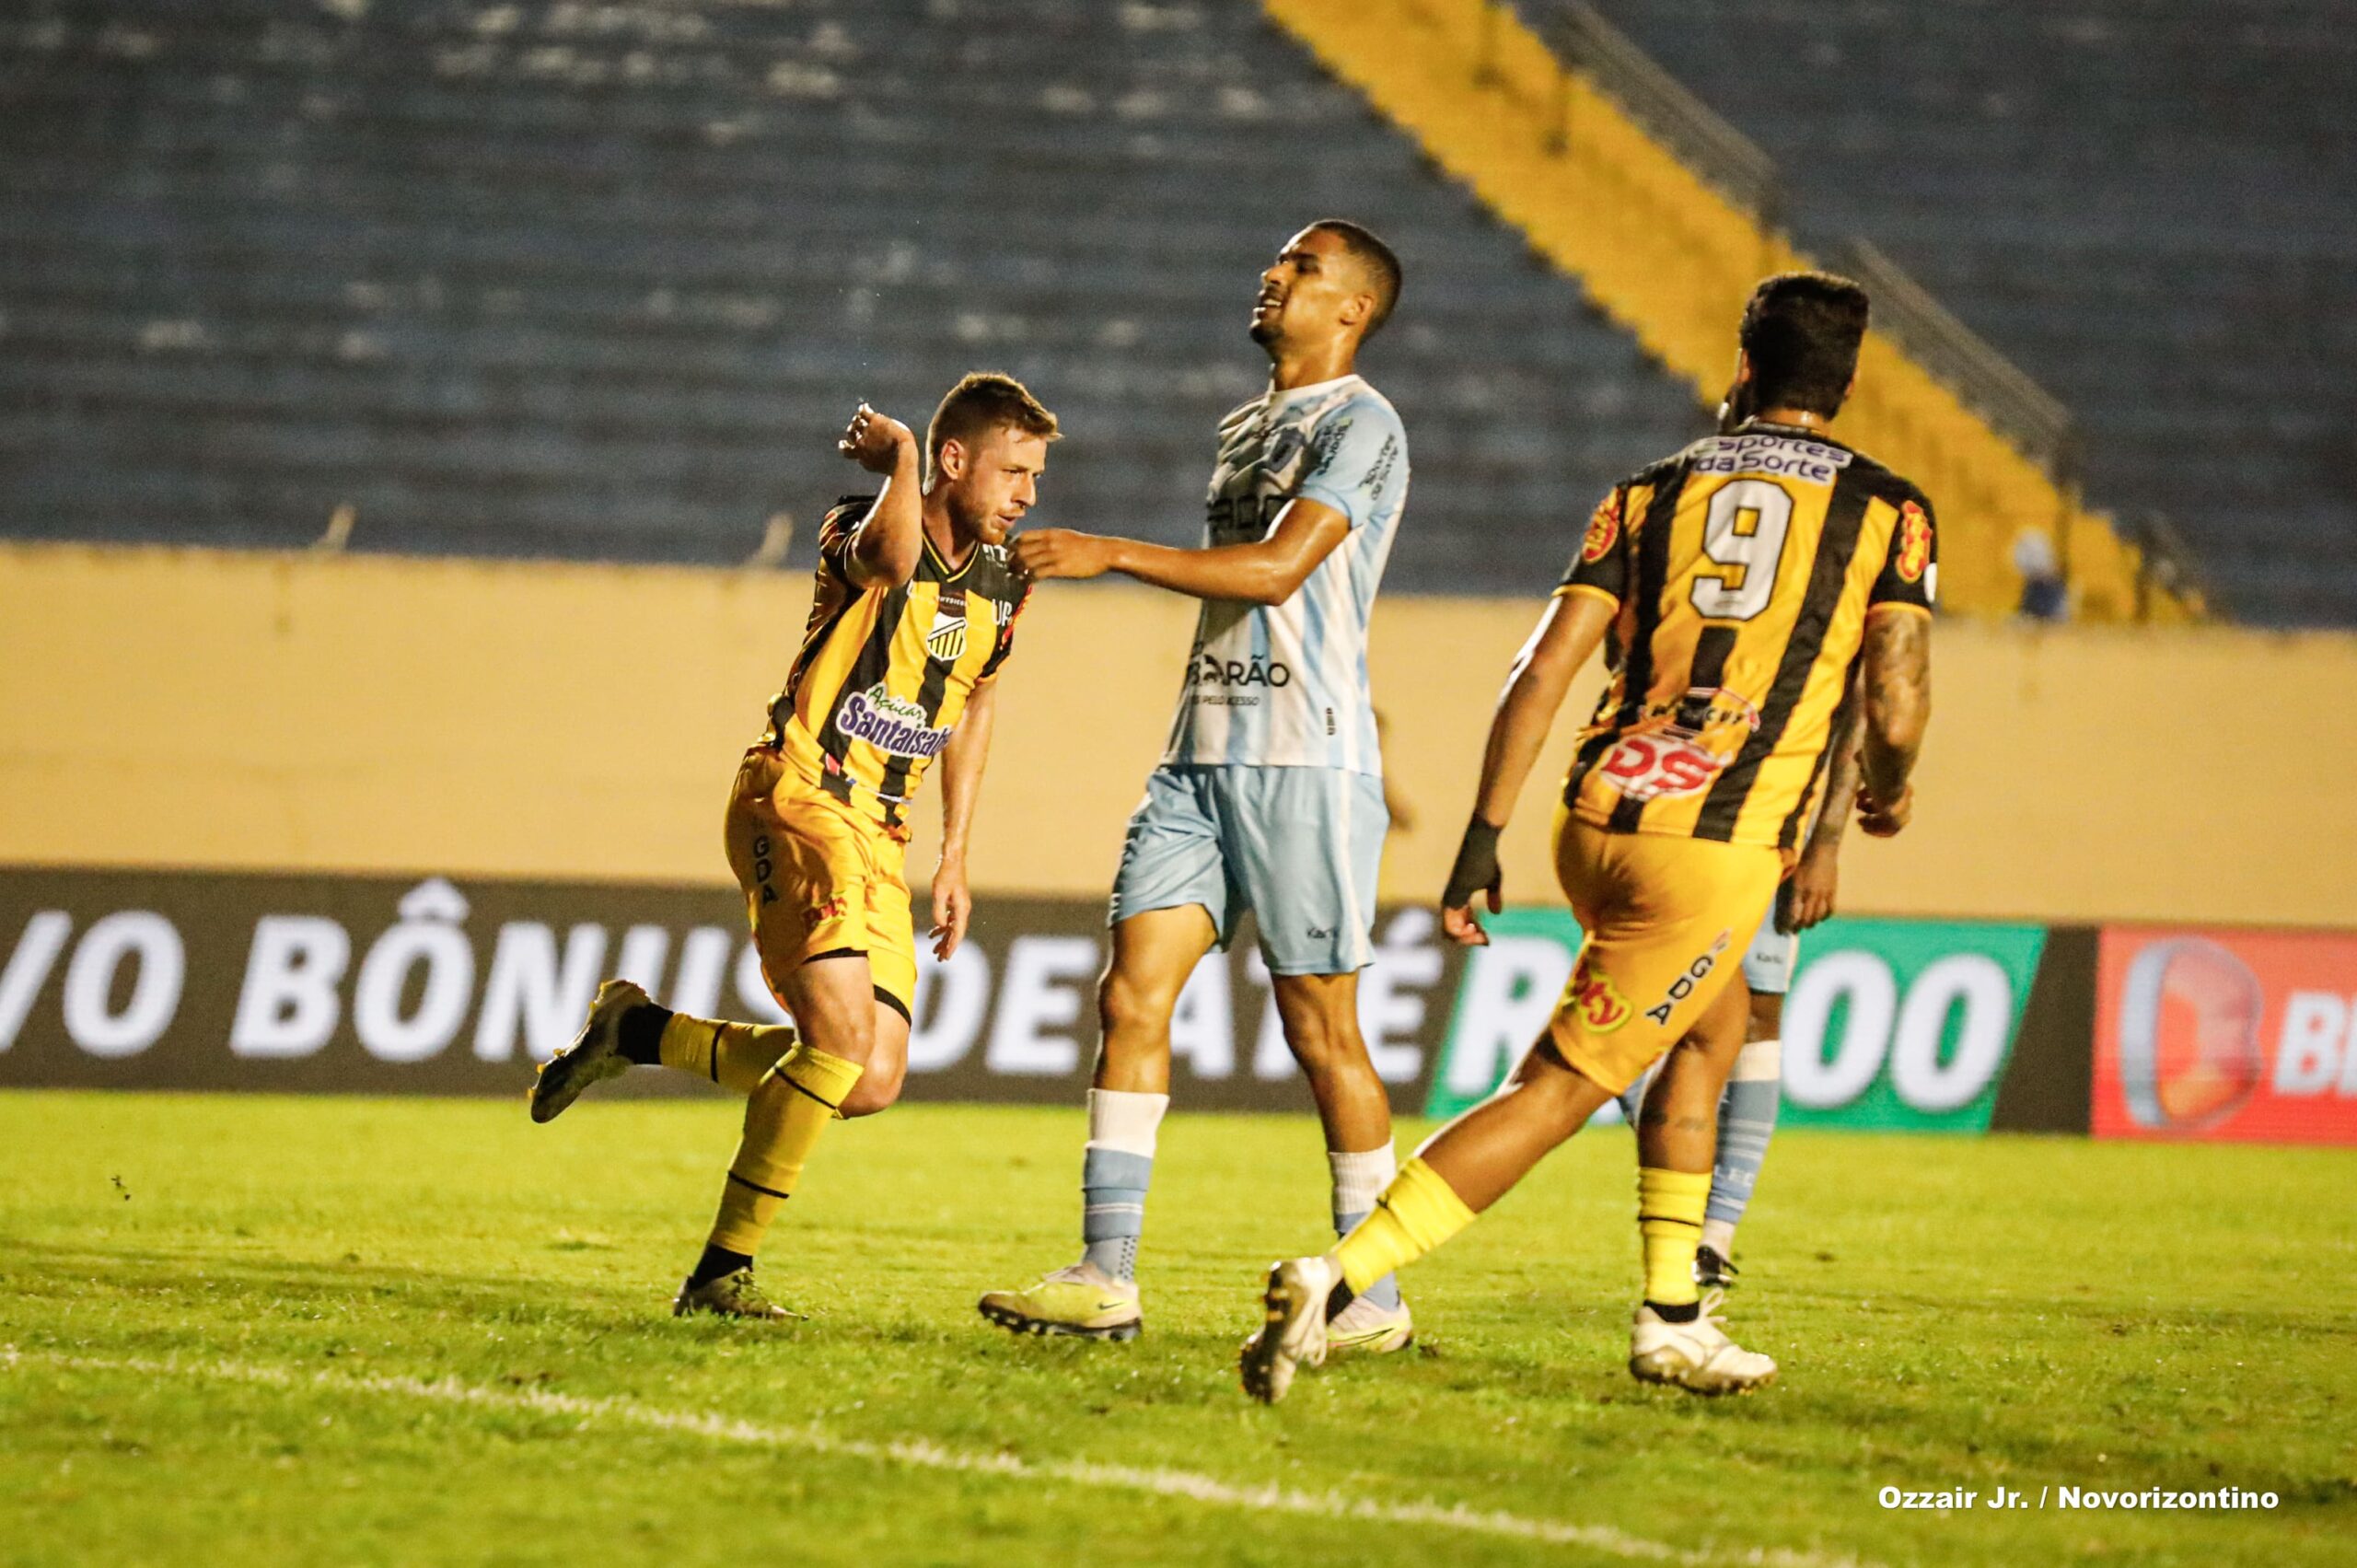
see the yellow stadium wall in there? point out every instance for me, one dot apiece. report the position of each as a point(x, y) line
point(183, 708)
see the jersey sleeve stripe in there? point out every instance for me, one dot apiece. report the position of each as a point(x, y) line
point(1881, 605)
point(1591, 590)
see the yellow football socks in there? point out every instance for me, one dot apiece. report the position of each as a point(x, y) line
point(1669, 1224)
point(784, 1116)
point(1416, 1213)
point(733, 1056)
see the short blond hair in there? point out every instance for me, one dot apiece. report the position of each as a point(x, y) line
point(984, 401)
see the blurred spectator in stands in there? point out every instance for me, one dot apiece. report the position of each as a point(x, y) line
point(2045, 597)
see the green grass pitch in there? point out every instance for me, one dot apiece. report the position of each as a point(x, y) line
point(342, 1332)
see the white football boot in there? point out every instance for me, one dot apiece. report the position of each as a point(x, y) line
point(1697, 1355)
point(1294, 1333)
point(1365, 1329)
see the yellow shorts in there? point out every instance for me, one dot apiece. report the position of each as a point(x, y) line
point(1665, 920)
point(819, 878)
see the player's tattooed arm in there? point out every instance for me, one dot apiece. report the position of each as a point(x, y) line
point(962, 761)
point(1898, 708)
point(1265, 571)
point(1541, 673)
point(886, 543)
point(1816, 880)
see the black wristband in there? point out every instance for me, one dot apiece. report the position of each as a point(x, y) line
point(1477, 864)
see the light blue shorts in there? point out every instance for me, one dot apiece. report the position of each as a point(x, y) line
point(1767, 962)
point(1300, 847)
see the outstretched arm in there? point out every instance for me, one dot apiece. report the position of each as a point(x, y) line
point(1574, 623)
point(886, 544)
point(1897, 707)
point(1267, 571)
point(961, 785)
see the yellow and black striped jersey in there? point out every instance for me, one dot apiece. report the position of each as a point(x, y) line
point(1743, 570)
point(885, 673)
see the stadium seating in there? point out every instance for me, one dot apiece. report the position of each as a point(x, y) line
point(603, 280)
point(2148, 207)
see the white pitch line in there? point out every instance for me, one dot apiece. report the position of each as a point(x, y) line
point(920, 1454)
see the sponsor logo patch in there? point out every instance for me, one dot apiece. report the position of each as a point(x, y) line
point(1595, 1000)
point(1603, 529)
point(1785, 455)
point(890, 723)
point(1683, 986)
point(1914, 543)
point(1680, 751)
point(1209, 669)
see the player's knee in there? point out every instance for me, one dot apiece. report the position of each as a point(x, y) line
point(877, 1090)
point(1767, 1020)
point(1127, 1007)
point(1325, 1043)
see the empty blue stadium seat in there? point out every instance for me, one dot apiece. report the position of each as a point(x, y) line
point(2151, 207)
point(604, 280)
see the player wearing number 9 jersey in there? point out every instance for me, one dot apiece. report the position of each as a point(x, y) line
point(1734, 585)
point(1739, 574)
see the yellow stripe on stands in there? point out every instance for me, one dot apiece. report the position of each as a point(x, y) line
point(1672, 261)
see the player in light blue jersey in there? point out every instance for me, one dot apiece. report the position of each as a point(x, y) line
point(1270, 794)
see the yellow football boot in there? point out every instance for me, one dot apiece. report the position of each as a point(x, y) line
point(1083, 1300)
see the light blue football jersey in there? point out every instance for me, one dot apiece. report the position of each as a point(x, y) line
point(1286, 685)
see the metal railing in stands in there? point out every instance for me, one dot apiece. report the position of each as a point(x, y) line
point(1993, 385)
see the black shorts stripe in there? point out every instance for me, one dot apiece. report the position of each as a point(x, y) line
point(757, 1187)
point(1845, 514)
point(895, 1003)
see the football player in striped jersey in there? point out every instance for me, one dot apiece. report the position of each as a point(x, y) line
point(912, 616)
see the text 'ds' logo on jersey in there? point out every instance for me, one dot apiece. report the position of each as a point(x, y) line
point(1914, 543)
point(1603, 529)
point(1682, 753)
point(1646, 767)
point(1593, 996)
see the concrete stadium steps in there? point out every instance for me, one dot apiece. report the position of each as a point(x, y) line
point(604, 280)
point(2153, 209)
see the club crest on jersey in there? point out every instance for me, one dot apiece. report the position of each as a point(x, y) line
point(1603, 528)
point(1598, 1002)
point(946, 640)
point(1914, 543)
point(890, 723)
